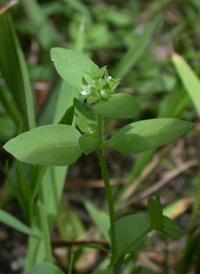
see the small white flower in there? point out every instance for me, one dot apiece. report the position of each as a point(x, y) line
point(86, 90)
point(103, 92)
point(109, 78)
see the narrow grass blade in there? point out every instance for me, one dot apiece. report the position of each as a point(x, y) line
point(14, 71)
point(10, 220)
point(17, 194)
point(45, 230)
point(10, 106)
point(79, 42)
point(135, 52)
point(189, 80)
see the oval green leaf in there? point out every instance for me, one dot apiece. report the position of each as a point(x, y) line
point(44, 268)
point(88, 144)
point(128, 229)
point(72, 65)
point(155, 214)
point(52, 145)
point(10, 220)
point(118, 106)
point(171, 228)
point(148, 134)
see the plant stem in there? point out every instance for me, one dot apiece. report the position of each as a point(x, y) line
point(105, 176)
point(71, 259)
point(45, 230)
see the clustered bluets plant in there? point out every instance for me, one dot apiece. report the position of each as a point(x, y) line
point(62, 144)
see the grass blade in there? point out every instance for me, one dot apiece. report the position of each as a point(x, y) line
point(10, 220)
point(189, 80)
point(135, 52)
point(45, 230)
point(55, 176)
point(14, 71)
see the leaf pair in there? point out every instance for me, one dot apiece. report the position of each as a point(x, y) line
point(59, 144)
point(74, 67)
point(131, 230)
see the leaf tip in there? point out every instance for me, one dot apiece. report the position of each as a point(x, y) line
point(176, 57)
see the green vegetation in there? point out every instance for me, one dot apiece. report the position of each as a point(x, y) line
point(128, 119)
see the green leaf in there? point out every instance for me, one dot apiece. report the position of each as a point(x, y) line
point(14, 71)
point(119, 106)
point(128, 229)
point(85, 117)
point(148, 134)
point(72, 65)
point(47, 145)
point(10, 220)
point(88, 144)
point(155, 213)
point(170, 228)
point(189, 79)
point(68, 116)
point(44, 268)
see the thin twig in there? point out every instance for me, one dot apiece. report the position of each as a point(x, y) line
point(166, 178)
point(8, 6)
point(56, 244)
point(91, 183)
point(147, 171)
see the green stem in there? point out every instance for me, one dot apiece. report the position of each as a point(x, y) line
point(121, 253)
point(45, 230)
point(37, 184)
point(184, 265)
point(107, 186)
point(71, 259)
